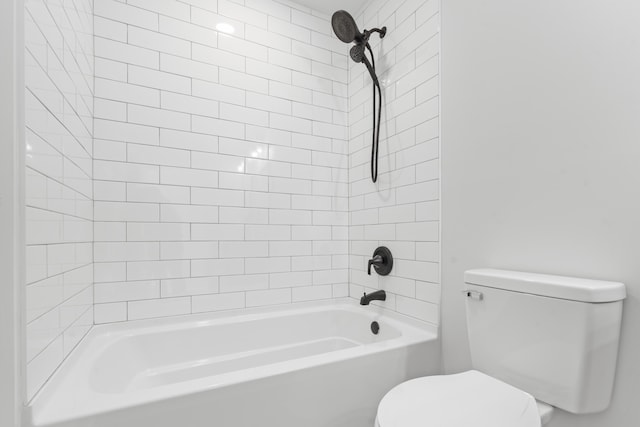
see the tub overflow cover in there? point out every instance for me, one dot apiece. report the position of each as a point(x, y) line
point(375, 328)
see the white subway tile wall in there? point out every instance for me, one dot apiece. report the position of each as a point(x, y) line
point(402, 210)
point(221, 157)
point(59, 192)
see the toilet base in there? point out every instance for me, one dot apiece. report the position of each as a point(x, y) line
point(546, 412)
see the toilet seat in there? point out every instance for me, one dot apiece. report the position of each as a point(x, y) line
point(461, 400)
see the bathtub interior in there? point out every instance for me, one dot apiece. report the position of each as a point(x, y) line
point(127, 365)
point(152, 357)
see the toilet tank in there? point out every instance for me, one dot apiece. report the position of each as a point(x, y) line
point(551, 336)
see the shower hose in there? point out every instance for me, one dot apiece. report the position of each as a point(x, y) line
point(375, 142)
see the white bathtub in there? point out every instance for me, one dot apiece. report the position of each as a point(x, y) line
point(309, 365)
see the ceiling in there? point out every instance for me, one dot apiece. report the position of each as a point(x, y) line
point(330, 6)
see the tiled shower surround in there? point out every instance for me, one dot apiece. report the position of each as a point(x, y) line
point(401, 211)
point(59, 139)
point(224, 162)
point(221, 157)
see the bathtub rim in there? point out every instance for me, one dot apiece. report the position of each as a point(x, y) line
point(37, 413)
point(174, 322)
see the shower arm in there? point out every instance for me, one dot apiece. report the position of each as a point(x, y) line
point(367, 33)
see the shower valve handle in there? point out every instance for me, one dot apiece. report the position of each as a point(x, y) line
point(377, 261)
point(382, 261)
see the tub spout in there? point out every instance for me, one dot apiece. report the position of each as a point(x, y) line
point(373, 296)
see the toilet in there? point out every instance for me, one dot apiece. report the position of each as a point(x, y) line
point(537, 342)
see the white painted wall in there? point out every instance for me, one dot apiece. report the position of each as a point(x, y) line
point(220, 158)
point(11, 212)
point(541, 107)
point(402, 210)
point(59, 187)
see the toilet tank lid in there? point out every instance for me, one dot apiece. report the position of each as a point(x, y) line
point(569, 288)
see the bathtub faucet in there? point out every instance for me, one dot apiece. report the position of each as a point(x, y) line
point(373, 296)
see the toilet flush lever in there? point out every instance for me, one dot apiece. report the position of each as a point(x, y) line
point(473, 295)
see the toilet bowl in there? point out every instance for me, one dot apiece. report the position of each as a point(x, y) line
point(467, 399)
point(531, 336)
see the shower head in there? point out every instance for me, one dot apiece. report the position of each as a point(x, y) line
point(357, 54)
point(345, 27)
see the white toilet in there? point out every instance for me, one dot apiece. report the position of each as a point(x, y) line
point(537, 342)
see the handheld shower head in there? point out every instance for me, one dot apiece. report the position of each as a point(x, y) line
point(357, 54)
point(345, 27)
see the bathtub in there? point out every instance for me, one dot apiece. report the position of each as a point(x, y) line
point(311, 365)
